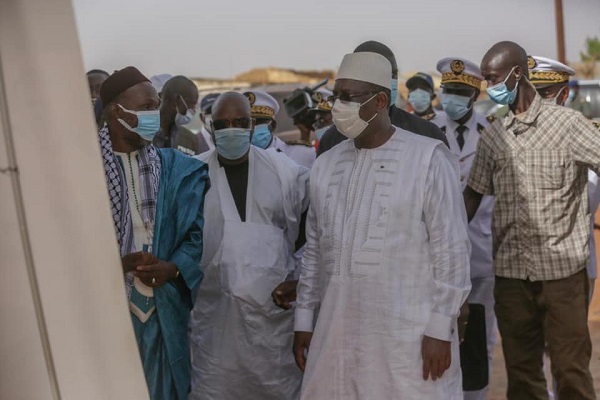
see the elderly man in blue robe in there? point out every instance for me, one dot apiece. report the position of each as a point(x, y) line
point(157, 198)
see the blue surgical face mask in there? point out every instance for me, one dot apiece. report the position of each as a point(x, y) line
point(320, 132)
point(232, 143)
point(420, 100)
point(187, 118)
point(262, 136)
point(148, 123)
point(500, 94)
point(394, 94)
point(455, 106)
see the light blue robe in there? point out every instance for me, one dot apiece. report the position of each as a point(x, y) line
point(163, 338)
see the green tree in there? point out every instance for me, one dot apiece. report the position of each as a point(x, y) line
point(591, 56)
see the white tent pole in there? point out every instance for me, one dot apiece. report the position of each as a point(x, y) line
point(13, 171)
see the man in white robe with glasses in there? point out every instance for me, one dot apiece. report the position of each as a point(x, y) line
point(386, 265)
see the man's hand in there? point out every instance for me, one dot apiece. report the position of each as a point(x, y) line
point(463, 320)
point(305, 130)
point(157, 274)
point(301, 344)
point(133, 260)
point(284, 294)
point(436, 357)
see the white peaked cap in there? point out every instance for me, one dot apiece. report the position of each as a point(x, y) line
point(366, 67)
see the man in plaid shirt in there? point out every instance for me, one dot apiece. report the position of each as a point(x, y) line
point(535, 161)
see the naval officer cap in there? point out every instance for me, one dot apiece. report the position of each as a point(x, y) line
point(262, 104)
point(366, 67)
point(459, 71)
point(321, 99)
point(545, 71)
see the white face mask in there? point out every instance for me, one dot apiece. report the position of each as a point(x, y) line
point(346, 117)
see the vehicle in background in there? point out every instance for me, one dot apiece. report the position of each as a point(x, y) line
point(590, 92)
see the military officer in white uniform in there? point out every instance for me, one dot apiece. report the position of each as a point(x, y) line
point(421, 92)
point(461, 84)
point(264, 109)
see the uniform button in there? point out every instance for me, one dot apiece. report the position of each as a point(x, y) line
point(462, 159)
point(462, 178)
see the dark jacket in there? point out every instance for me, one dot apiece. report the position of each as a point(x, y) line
point(400, 118)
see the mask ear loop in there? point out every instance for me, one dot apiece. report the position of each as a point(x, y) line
point(376, 114)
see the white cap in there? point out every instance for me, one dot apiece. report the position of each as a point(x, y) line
point(366, 67)
point(158, 81)
point(262, 104)
point(545, 71)
point(461, 71)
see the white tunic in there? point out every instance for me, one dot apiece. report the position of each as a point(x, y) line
point(386, 261)
point(301, 155)
point(480, 227)
point(240, 341)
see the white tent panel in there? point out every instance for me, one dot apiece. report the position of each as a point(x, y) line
point(47, 113)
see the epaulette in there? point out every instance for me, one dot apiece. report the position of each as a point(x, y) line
point(490, 118)
point(480, 128)
point(429, 117)
point(596, 124)
point(298, 142)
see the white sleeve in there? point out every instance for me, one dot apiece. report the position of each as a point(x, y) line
point(308, 290)
point(446, 223)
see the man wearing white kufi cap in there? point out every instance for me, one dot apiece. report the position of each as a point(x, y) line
point(461, 83)
point(386, 262)
point(264, 109)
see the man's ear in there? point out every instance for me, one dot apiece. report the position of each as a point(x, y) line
point(272, 125)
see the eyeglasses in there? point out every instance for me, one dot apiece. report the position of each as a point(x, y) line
point(243, 122)
point(347, 96)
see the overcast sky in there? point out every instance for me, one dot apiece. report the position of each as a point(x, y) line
point(221, 38)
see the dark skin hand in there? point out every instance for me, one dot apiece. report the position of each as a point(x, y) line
point(436, 357)
point(472, 202)
point(284, 294)
point(131, 261)
point(146, 266)
point(301, 345)
point(161, 272)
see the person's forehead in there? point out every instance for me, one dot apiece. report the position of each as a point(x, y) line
point(140, 92)
point(234, 107)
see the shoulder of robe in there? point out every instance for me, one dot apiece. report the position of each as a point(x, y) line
point(490, 119)
point(298, 143)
